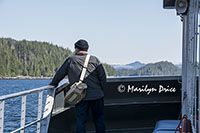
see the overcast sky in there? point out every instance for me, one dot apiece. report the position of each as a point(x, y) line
point(118, 31)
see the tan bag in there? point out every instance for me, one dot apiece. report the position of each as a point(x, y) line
point(77, 91)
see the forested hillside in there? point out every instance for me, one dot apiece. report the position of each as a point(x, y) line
point(110, 71)
point(159, 68)
point(30, 58)
point(33, 58)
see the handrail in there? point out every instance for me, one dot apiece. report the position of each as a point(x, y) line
point(28, 125)
point(9, 96)
point(42, 120)
point(62, 88)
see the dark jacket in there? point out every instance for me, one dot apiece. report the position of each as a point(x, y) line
point(95, 77)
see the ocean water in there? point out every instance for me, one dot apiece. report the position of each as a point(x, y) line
point(12, 108)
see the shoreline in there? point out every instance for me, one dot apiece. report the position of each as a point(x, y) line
point(24, 77)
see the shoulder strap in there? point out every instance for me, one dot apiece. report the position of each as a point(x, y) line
point(84, 67)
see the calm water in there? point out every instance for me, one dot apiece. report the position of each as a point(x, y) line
point(13, 106)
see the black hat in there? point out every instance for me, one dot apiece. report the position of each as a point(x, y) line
point(82, 45)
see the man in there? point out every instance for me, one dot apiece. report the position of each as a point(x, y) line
point(95, 79)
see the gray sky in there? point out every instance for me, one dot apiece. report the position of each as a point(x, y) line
point(118, 31)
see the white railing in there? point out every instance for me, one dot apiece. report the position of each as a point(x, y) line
point(42, 119)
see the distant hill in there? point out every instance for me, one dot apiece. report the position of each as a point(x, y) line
point(34, 58)
point(159, 68)
point(125, 72)
point(132, 66)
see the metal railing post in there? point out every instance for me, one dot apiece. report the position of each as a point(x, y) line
point(48, 110)
point(2, 116)
point(189, 64)
point(23, 113)
point(39, 115)
point(199, 73)
point(195, 109)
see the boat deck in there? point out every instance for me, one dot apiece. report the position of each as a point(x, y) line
point(127, 111)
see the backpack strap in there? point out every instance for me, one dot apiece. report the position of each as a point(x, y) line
point(84, 68)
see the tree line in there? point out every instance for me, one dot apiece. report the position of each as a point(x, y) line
point(34, 58)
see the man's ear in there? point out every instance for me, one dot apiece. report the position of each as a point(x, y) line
point(76, 50)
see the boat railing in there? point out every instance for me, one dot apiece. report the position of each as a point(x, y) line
point(43, 116)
